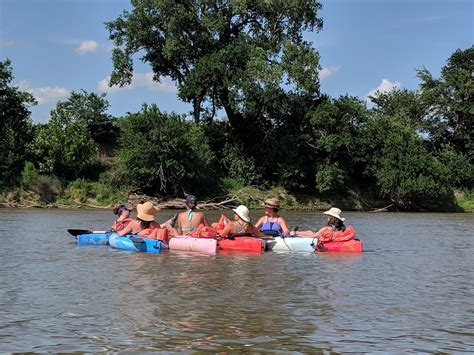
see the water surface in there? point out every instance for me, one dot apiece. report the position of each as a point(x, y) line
point(412, 290)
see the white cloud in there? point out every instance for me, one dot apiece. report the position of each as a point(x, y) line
point(385, 86)
point(325, 73)
point(44, 94)
point(7, 43)
point(87, 47)
point(139, 80)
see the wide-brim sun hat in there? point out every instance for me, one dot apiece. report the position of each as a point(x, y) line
point(147, 212)
point(243, 212)
point(272, 203)
point(335, 212)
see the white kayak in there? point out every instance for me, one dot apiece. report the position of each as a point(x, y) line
point(295, 244)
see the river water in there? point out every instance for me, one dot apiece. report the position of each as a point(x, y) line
point(411, 290)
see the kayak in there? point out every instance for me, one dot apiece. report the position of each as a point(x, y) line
point(211, 245)
point(349, 246)
point(96, 238)
point(289, 243)
point(243, 244)
point(137, 243)
point(201, 245)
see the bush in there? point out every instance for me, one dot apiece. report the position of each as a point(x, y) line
point(241, 166)
point(29, 175)
point(329, 178)
point(165, 153)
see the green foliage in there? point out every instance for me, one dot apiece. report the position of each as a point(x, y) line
point(64, 146)
point(450, 103)
point(164, 153)
point(465, 200)
point(241, 166)
point(329, 178)
point(93, 192)
point(29, 175)
point(405, 171)
point(225, 54)
point(49, 188)
point(15, 126)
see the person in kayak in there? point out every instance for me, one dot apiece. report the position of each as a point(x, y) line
point(335, 230)
point(145, 222)
point(190, 219)
point(123, 220)
point(271, 223)
point(241, 224)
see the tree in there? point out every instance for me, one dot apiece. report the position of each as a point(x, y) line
point(450, 103)
point(405, 172)
point(331, 133)
point(165, 153)
point(64, 146)
point(92, 109)
point(15, 126)
point(222, 54)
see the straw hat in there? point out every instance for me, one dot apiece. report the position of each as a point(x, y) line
point(242, 212)
point(335, 212)
point(272, 203)
point(147, 212)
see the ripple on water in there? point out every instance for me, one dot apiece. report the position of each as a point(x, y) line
point(412, 291)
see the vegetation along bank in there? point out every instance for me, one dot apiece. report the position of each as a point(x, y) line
point(280, 136)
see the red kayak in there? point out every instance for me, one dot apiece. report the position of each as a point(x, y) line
point(246, 244)
point(350, 246)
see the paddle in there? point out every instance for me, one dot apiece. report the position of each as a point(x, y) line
point(76, 232)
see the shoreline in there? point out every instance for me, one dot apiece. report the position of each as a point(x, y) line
point(251, 197)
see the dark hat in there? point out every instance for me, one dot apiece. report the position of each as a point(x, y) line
point(120, 208)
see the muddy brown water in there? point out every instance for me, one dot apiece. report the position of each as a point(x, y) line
point(411, 290)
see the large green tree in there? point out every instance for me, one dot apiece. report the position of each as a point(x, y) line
point(232, 54)
point(15, 126)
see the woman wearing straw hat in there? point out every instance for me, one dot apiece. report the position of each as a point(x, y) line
point(145, 221)
point(334, 224)
point(271, 223)
point(241, 224)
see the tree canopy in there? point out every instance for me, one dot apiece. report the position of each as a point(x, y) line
point(15, 126)
point(229, 54)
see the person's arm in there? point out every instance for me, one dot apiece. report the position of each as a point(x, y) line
point(284, 227)
point(128, 229)
point(304, 234)
point(260, 222)
point(204, 220)
point(228, 229)
point(258, 233)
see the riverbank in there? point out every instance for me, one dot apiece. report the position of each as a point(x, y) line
point(250, 196)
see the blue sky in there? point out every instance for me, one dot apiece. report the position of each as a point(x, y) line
point(57, 46)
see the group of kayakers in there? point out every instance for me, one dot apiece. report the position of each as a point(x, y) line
point(184, 223)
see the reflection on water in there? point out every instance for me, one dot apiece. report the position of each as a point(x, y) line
point(411, 291)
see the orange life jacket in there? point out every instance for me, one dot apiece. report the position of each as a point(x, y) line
point(327, 234)
point(119, 225)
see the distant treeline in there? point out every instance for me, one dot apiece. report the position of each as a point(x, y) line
point(412, 149)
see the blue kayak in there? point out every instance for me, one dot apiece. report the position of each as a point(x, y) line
point(137, 243)
point(93, 238)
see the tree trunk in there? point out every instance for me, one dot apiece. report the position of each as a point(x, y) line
point(197, 109)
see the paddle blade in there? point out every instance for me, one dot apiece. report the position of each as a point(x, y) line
point(76, 232)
